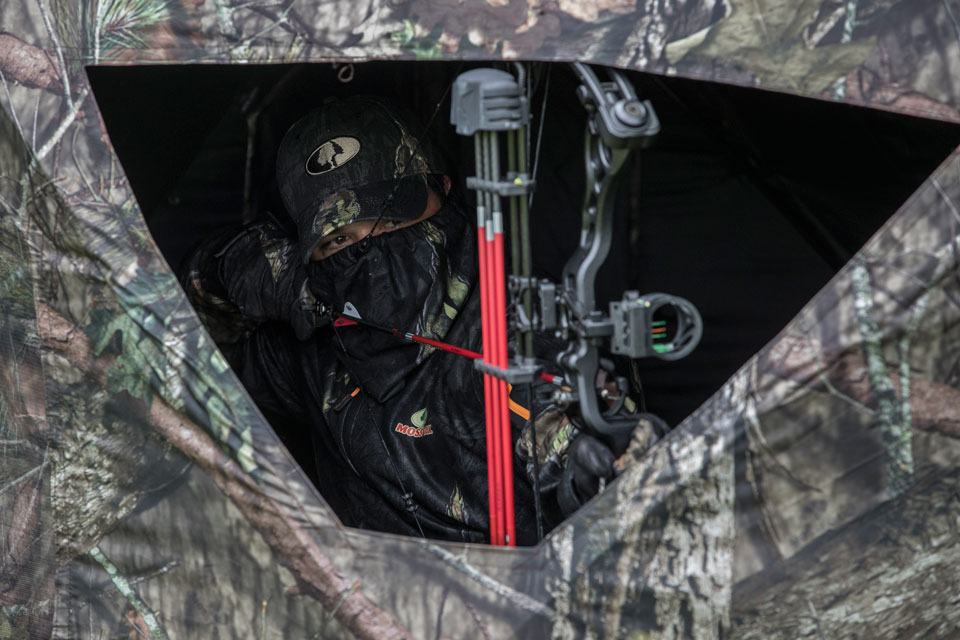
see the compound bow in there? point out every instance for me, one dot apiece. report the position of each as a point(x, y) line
point(485, 104)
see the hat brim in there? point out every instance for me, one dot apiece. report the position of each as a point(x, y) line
point(398, 200)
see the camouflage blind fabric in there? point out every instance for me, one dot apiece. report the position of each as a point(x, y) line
point(143, 494)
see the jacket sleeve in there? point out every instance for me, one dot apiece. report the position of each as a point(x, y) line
point(266, 363)
point(239, 279)
point(245, 285)
point(201, 281)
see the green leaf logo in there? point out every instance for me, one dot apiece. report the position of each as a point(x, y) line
point(419, 419)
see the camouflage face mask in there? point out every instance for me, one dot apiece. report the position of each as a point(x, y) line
point(415, 279)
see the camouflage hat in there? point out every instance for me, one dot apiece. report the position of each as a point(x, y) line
point(352, 159)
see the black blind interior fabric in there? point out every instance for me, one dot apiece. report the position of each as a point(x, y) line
point(747, 204)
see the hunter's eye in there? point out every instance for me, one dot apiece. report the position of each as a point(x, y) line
point(331, 245)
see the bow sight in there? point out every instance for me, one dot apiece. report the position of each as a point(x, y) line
point(485, 103)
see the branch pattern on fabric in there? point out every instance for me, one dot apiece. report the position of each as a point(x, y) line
point(294, 546)
point(123, 586)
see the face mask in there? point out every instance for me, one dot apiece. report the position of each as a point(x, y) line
point(414, 279)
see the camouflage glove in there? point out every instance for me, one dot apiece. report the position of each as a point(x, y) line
point(258, 273)
point(554, 433)
point(589, 463)
point(649, 430)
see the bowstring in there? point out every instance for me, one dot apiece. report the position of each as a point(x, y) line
point(409, 504)
point(515, 303)
point(388, 200)
point(536, 152)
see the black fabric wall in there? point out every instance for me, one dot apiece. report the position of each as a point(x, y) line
point(747, 204)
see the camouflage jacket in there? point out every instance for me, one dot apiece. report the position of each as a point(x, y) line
point(415, 463)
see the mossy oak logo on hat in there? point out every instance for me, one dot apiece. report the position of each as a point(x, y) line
point(419, 428)
point(332, 154)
